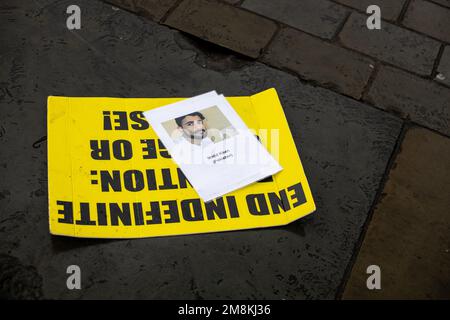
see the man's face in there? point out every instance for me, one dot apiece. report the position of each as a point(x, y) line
point(194, 127)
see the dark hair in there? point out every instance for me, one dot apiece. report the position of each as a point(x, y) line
point(180, 119)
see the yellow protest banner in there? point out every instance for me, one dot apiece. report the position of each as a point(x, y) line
point(109, 176)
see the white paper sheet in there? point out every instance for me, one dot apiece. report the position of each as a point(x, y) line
point(211, 144)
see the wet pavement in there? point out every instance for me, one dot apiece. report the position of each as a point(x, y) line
point(347, 148)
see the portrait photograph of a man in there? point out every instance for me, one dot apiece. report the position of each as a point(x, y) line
point(200, 128)
point(212, 145)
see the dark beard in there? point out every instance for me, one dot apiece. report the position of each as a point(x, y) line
point(193, 137)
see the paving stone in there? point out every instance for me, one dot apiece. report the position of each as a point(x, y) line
point(409, 234)
point(445, 3)
point(422, 101)
point(444, 67)
point(428, 18)
point(154, 9)
point(123, 4)
point(392, 44)
point(319, 17)
point(390, 10)
point(315, 59)
point(345, 146)
point(224, 25)
point(44, 3)
point(232, 1)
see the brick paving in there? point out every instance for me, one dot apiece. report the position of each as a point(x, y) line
point(445, 3)
point(318, 17)
point(154, 9)
point(410, 97)
point(350, 96)
point(390, 9)
point(391, 44)
point(428, 18)
point(443, 70)
point(326, 63)
point(412, 36)
point(237, 30)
